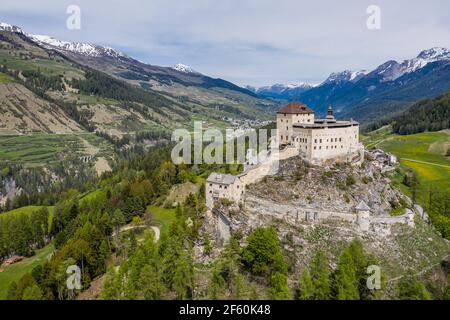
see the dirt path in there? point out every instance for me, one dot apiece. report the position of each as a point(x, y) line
point(425, 162)
point(154, 228)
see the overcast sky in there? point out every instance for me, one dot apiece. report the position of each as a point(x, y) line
point(253, 42)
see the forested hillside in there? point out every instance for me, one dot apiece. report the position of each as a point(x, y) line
point(426, 115)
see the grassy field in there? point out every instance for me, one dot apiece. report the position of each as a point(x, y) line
point(163, 217)
point(47, 67)
point(424, 152)
point(4, 78)
point(16, 271)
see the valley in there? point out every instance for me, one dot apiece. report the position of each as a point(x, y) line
point(87, 179)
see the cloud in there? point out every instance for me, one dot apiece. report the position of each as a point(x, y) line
point(247, 41)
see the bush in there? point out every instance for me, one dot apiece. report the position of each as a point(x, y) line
point(263, 253)
point(350, 181)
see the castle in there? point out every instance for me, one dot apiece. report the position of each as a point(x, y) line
point(317, 140)
point(299, 134)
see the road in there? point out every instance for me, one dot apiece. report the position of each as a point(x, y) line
point(154, 228)
point(425, 162)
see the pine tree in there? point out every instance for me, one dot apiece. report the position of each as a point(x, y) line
point(32, 293)
point(409, 288)
point(279, 289)
point(320, 274)
point(306, 286)
point(346, 280)
point(151, 284)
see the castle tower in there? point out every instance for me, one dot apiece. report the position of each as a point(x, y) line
point(330, 114)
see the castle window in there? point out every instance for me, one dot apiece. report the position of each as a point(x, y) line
point(281, 137)
point(238, 186)
point(320, 147)
point(210, 184)
point(340, 139)
point(225, 187)
point(315, 141)
point(314, 148)
point(287, 128)
point(320, 140)
point(210, 191)
point(220, 187)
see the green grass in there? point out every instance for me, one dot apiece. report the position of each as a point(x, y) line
point(4, 78)
point(163, 218)
point(18, 270)
point(45, 66)
point(422, 147)
point(373, 139)
point(424, 153)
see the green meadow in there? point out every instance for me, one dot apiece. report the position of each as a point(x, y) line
point(17, 270)
point(4, 78)
point(163, 218)
point(425, 153)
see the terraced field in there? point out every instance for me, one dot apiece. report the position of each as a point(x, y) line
point(43, 149)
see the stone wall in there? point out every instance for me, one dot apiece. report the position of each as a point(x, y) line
point(364, 220)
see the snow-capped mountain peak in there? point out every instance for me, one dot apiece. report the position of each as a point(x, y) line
point(86, 49)
point(392, 70)
point(433, 54)
point(279, 87)
point(184, 68)
point(10, 28)
point(345, 76)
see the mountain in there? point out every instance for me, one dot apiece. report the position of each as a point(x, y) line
point(87, 49)
point(10, 28)
point(101, 89)
point(179, 83)
point(388, 89)
point(281, 91)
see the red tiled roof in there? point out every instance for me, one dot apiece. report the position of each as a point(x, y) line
point(296, 107)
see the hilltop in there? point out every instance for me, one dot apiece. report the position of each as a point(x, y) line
point(298, 187)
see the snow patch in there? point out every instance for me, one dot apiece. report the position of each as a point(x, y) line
point(184, 68)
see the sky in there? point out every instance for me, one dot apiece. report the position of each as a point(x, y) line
point(255, 42)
